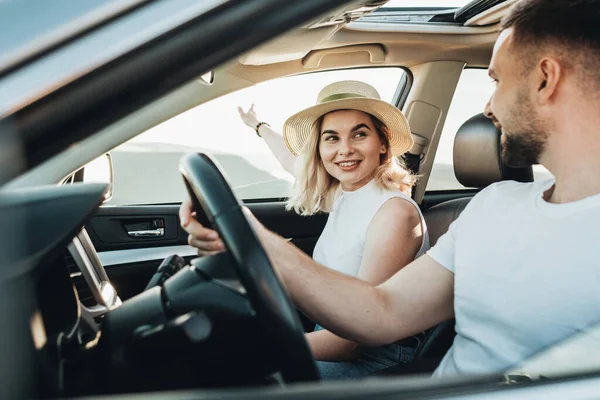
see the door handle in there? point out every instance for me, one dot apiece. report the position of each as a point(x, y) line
point(158, 232)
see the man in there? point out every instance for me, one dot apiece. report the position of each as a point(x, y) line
point(519, 268)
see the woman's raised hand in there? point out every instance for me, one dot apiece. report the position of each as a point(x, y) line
point(250, 118)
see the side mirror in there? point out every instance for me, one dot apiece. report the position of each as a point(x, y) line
point(99, 170)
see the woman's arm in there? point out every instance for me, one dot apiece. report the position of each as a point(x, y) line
point(393, 238)
point(278, 147)
point(326, 346)
point(273, 139)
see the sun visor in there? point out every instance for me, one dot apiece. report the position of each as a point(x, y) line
point(298, 43)
point(292, 46)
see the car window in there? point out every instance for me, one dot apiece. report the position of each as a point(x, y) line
point(146, 167)
point(472, 93)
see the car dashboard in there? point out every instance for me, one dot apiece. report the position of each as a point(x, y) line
point(74, 336)
point(53, 282)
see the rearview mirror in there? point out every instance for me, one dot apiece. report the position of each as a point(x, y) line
point(100, 170)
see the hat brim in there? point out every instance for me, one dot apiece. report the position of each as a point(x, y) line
point(298, 128)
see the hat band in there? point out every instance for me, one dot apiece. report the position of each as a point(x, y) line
point(340, 96)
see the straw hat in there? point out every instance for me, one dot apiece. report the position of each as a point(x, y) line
point(348, 95)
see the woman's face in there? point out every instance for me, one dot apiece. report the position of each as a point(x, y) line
point(350, 147)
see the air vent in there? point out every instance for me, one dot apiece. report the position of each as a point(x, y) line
point(81, 286)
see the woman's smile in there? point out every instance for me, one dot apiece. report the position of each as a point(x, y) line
point(348, 165)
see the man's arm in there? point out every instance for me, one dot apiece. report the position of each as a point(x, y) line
point(416, 298)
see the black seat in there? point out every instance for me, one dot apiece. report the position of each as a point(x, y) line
point(477, 164)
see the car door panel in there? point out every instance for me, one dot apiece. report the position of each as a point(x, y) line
point(112, 227)
point(130, 261)
point(302, 230)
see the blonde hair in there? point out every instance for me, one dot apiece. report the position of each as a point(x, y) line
point(315, 190)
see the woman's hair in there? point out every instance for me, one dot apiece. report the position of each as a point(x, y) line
point(315, 190)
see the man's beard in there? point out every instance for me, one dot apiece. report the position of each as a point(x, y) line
point(524, 135)
point(522, 150)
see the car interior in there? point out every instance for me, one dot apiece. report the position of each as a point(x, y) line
point(114, 300)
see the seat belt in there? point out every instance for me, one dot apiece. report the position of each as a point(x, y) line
point(412, 162)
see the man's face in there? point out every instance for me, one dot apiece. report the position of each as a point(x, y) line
point(511, 106)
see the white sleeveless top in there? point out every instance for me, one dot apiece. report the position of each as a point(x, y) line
point(340, 246)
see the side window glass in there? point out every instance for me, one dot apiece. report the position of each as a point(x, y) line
point(146, 167)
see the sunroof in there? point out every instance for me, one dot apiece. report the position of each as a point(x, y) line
point(455, 12)
point(425, 4)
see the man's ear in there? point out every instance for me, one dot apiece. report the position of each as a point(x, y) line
point(549, 74)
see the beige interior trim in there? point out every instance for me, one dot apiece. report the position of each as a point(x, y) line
point(427, 106)
point(430, 41)
point(299, 42)
point(279, 49)
point(401, 49)
point(375, 51)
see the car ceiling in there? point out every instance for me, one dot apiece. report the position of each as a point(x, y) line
point(403, 44)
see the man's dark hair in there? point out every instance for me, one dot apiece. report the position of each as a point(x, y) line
point(571, 27)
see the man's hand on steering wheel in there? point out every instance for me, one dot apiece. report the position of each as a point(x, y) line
point(207, 241)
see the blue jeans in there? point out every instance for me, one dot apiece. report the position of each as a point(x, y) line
point(371, 359)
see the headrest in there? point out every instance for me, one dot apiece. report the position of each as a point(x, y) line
point(477, 161)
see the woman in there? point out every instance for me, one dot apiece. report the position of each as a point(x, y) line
point(342, 152)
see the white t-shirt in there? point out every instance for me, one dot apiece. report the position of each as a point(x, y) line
point(527, 274)
point(340, 246)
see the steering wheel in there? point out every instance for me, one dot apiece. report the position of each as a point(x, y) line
point(276, 315)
